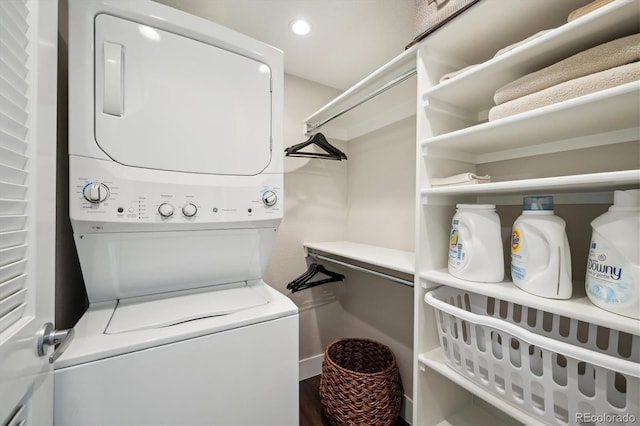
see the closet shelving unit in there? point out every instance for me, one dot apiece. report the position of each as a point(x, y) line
point(454, 136)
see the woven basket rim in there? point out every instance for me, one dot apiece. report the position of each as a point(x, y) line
point(379, 373)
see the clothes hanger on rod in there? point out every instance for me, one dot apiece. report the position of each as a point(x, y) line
point(302, 282)
point(311, 270)
point(319, 140)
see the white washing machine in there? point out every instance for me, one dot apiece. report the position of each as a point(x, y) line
point(175, 158)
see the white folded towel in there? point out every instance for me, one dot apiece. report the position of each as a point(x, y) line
point(461, 179)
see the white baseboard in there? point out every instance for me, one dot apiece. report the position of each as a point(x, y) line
point(310, 367)
point(406, 412)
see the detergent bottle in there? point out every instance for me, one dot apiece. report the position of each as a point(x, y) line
point(612, 278)
point(475, 245)
point(540, 256)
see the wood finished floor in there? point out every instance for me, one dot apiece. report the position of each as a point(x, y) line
point(310, 409)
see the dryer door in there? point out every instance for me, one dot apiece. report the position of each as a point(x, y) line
point(164, 101)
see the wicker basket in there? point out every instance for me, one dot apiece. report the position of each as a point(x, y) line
point(360, 384)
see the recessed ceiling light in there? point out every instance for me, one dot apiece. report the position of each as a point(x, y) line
point(300, 27)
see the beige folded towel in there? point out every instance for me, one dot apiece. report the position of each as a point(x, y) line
point(520, 43)
point(461, 179)
point(569, 90)
point(584, 10)
point(602, 57)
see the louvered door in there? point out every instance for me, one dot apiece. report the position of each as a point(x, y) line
point(28, 63)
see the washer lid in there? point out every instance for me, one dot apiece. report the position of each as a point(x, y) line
point(169, 102)
point(165, 310)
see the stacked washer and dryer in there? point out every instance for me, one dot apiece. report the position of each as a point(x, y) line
point(175, 164)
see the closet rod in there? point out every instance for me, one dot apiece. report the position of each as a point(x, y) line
point(389, 85)
point(361, 269)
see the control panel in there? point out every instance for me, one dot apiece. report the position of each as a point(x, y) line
point(97, 195)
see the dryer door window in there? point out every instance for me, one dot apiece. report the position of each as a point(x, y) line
point(168, 102)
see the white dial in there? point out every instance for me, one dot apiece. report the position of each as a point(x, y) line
point(95, 192)
point(189, 210)
point(269, 198)
point(165, 210)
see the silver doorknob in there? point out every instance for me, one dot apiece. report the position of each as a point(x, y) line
point(47, 336)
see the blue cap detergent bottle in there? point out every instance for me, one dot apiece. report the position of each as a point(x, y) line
point(540, 256)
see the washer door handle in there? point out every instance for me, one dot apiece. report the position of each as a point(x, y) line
point(47, 336)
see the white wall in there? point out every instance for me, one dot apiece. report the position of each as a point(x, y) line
point(381, 186)
point(315, 209)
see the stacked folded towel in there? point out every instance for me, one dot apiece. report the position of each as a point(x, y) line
point(461, 179)
point(598, 68)
point(568, 90)
point(584, 10)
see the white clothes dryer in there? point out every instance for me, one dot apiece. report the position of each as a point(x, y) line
point(175, 168)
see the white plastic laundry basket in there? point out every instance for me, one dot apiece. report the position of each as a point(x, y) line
point(558, 369)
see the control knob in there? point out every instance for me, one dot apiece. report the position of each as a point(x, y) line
point(95, 192)
point(269, 198)
point(165, 210)
point(189, 210)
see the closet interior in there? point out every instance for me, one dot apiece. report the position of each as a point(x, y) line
point(466, 369)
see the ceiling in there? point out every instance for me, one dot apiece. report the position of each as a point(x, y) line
point(349, 39)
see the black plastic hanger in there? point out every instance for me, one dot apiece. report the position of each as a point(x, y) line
point(302, 279)
point(318, 139)
point(302, 282)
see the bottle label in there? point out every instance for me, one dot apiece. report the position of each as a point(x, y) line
point(606, 280)
point(457, 255)
point(518, 267)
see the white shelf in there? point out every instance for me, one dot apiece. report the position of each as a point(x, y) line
point(578, 307)
point(600, 118)
point(605, 181)
point(489, 25)
point(395, 260)
point(381, 110)
point(473, 415)
point(435, 361)
point(612, 21)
